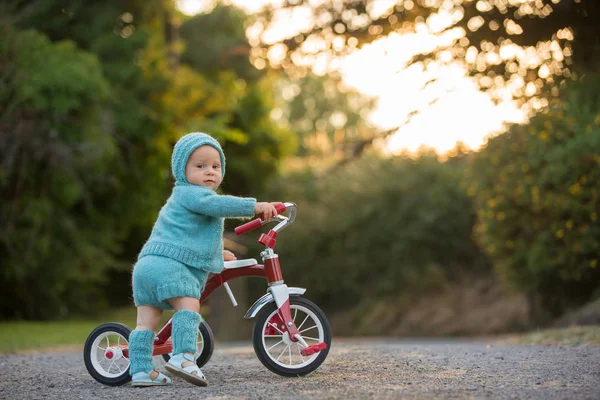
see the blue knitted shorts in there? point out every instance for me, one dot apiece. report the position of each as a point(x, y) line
point(157, 278)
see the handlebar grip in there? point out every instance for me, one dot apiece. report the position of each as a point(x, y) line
point(280, 207)
point(248, 226)
point(257, 223)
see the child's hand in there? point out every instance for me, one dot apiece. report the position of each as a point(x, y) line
point(267, 210)
point(228, 256)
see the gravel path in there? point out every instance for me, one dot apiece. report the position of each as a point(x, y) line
point(365, 369)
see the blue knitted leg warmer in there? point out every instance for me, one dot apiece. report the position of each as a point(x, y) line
point(185, 331)
point(141, 343)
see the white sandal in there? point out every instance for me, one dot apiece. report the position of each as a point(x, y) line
point(142, 379)
point(192, 374)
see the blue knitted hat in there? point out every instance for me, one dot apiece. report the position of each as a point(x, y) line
point(186, 146)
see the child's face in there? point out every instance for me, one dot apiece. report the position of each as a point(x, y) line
point(204, 167)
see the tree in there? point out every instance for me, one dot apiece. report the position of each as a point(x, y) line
point(87, 144)
point(238, 99)
point(329, 118)
point(375, 229)
point(523, 46)
point(54, 151)
point(536, 192)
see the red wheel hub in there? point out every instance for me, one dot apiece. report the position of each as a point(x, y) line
point(277, 321)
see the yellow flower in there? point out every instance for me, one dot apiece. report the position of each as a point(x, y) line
point(544, 135)
point(575, 190)
point(593, 215)
point(559, 234)
point(593, 263)
point(491, 249)
point(569, 224)
point(500, 216)
point(491, 203)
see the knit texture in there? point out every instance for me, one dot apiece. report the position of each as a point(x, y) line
point(156, 279)
point(186, 146)
point(141, 343)
point(189, 227)
point(185, 331)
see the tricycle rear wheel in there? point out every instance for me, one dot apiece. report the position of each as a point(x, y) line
point(103, 354)
point(205, 345)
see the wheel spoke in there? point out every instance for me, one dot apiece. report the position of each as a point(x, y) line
point(290, 350)
point(310, 338)
point(273, 336)
point(110, 366)
point(275, 326)
point(282, 353)
point(303, 321)
point(300, 352)
point(314, 326)
point(281, 341)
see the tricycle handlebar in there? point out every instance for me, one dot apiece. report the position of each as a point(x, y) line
point(258, 222)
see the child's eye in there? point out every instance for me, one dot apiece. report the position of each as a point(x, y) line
point(216, 166)
point(200, 165)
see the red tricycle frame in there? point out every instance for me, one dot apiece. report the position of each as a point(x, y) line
point(271, 271)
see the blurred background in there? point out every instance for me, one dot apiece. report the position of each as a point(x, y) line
point(444, 156)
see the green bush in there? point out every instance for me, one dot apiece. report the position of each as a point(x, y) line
point(378, 228)
point(537, 194)
point(54, 244)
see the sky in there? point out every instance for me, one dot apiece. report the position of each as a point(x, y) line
point(460, 113)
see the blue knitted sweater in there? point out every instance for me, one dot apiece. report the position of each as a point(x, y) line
point(189, 227)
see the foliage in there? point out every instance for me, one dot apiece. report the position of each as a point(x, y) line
point(378, 228)
point(92, 102)
point(217, 41)
point(54, 241)
point(328, 118)
point(236, 102)
point(503, 43)
point(536, 190)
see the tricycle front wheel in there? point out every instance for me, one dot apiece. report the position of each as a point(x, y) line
point(273, 346)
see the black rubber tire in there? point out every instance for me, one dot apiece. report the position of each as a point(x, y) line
point(117, 328)
point(209, 345)
point(261, 353)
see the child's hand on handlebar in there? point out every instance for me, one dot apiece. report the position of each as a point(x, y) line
point(267, 210)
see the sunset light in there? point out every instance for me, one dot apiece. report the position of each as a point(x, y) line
point(435, 104)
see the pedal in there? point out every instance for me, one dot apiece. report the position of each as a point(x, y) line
point(315, 348)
